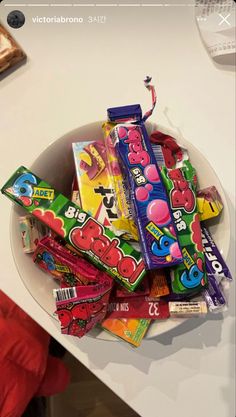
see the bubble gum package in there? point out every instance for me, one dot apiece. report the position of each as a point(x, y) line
point(151, 210)
point(181, 185)
point(80, 308)
point(70, 269)
point(125, 221)
point(130, 330)
point(89, 237)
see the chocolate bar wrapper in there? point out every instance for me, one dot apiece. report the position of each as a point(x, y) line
point(141, 307)
point(129, 330)
point(97, 243)
point(215, 264)
point(181, 184)
point(79, 309)
point(209, 203)
point(57, 260)
point(152, 214)
point(10, 51)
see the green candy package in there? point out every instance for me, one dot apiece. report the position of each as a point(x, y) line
point(80, 230)
point(181, 184)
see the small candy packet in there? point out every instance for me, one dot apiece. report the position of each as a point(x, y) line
point(130, 330)
point(81, 231)
point(159, 286)
point(215, 264)
point(187, 309)
point(80, 308)
point(214, 296)
point(217, 272)
point(167, 151)
point(141, 307)
point(31, 232)
point(181, 184)
point(209, 203)
point(69, 268)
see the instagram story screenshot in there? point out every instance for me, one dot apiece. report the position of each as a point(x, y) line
point(117, 208)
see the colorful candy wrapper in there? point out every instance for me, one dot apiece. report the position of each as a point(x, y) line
point(167, 151)
point(129, 330)
point(31, 232)
point(209, 203)
point(95, 189)
point(80, 308)
point(214, 296)
point(97, 243)
point(181, 185)
point(159, 286)
point(141, 307)
point(152, 214)
point(217, 272)
point(70, 269)
point(215, 264)
point(187, 309)
point(143, 289)
point(125, 221)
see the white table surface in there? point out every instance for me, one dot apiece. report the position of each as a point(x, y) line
point(74, 72)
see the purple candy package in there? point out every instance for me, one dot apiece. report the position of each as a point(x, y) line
point(149, 200)
point(215, 264)
point(160, 246)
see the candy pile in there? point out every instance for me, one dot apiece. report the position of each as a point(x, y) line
point(130, 246)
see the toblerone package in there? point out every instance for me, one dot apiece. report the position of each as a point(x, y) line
point(97, 243)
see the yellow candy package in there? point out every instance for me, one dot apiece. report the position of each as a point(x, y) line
point(93, 187)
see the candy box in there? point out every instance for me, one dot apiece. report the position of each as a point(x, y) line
point(130, 330)
point(95, 192)
point(97, 243)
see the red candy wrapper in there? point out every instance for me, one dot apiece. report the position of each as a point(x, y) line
point(80, 308)
point(70, 269)
point(138, 308)
point(143, 289)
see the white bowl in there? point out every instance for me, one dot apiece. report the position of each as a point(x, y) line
point(56, 166)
